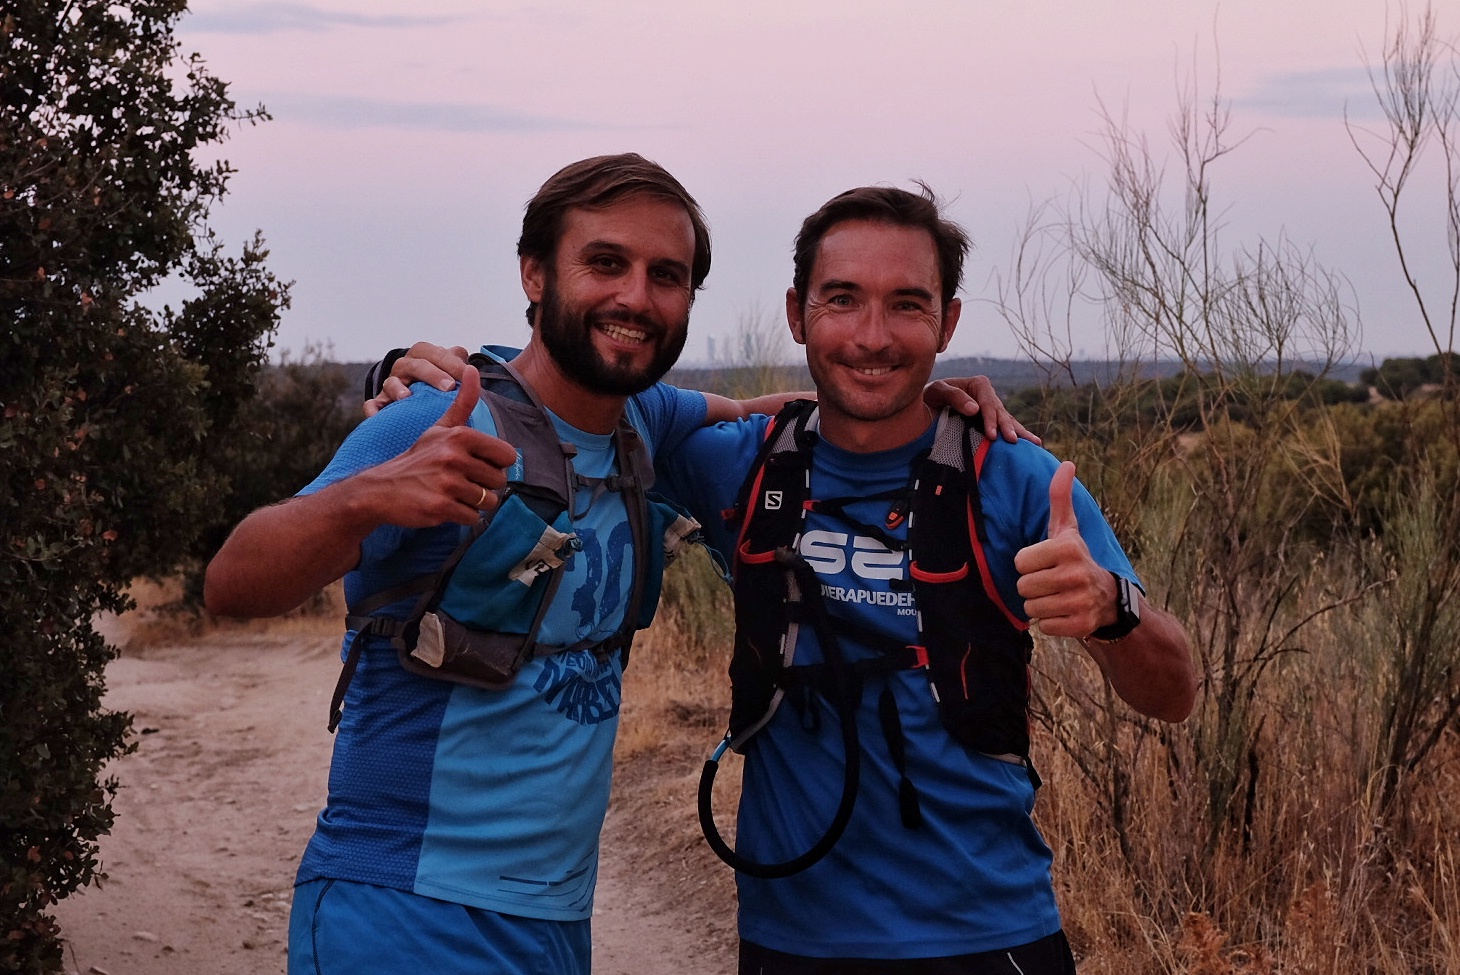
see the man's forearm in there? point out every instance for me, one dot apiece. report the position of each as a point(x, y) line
point(281, 555)
point(721, 409)
point(1152, 668)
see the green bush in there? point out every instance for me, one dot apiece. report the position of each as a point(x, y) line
point(105, 407)
point(281, 439)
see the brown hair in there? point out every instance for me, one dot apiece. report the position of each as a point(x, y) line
point(600, 182)
point(885, 204)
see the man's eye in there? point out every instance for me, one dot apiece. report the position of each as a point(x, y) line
point(841, 301)
point(670, 276)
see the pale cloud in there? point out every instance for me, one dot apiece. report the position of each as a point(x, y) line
point(275, 18)
point(1328, 93)
point(346, 112)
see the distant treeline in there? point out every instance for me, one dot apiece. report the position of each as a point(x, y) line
point(1394, 378)
point(1013, 376)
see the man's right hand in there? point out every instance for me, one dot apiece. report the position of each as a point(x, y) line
point(450, 473)
point(282, 553)
point(423, 362)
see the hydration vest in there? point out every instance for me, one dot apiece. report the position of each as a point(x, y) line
point(483, 629)
point(974, 652)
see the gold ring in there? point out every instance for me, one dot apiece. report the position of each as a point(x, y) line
point(482, 500)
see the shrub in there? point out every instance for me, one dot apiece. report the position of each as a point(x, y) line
point(104, 405)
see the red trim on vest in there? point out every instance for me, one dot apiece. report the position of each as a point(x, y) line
point(747, 515)
point(753, 558)
point(978, 553)
point(917, 573)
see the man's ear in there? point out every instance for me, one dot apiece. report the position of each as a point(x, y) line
point(950, 322)
point(534, 278)
point(795, 317)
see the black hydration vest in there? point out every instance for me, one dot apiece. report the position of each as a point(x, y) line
point(974, 652)
point(529, 534)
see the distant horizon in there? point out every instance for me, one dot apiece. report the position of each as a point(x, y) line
point(1361, 359)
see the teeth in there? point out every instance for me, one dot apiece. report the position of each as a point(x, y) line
point(875, 370)
point(622, 333)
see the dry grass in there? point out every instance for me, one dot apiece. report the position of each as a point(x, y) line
point(1303, 880)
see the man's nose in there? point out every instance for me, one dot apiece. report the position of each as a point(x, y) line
point(876, 328)
point(633, 291)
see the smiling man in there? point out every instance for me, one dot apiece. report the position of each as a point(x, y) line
point(880, 668)
point(467, 791)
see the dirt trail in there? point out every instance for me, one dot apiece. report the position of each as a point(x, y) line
point(220, 797)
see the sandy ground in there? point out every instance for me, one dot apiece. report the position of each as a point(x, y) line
point(219, 798)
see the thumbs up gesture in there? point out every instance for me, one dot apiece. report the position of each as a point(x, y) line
point(450, 473)
point(1064, 588)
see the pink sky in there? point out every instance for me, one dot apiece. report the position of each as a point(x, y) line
point(407, 136)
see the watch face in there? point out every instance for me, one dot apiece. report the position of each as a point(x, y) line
point(1128, 606)
point(1127, 612)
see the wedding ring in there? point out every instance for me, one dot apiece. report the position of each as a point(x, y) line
point(482, 500)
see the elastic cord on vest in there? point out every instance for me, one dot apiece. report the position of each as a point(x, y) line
point(845, 695)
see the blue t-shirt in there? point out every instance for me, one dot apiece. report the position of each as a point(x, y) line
point(975, 876)
point(490, 798)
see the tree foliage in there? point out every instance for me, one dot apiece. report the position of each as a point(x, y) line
point(1403, 377)
point(103, 403)
point(282, 438)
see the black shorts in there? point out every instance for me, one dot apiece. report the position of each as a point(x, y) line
point(1047, 956)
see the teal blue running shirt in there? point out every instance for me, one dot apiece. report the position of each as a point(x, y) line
point(492, 799)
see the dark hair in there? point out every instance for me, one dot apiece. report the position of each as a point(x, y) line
point(885, 204)
point(600, 182)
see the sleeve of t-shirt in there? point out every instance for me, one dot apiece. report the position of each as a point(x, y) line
point(1014, 487)
point(703, 474)
point(667, 415)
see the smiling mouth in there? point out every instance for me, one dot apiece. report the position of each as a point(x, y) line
point(624, 333)
point(871, 372)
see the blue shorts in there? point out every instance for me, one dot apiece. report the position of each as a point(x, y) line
point(338, 927)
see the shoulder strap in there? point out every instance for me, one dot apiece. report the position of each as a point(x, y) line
point(776, 591)
point(633, 481)
point(771, 500)
point(978, 651)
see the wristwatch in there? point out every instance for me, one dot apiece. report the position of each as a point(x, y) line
point(1127, 612)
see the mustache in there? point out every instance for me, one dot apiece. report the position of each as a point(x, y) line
point(873, 361)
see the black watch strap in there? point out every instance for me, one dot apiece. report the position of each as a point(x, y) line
point(1127, 612)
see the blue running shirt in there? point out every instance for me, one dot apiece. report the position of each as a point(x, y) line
point(976, 875)
point(492, 799)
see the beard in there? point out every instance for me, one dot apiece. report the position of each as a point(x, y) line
point(567, 334)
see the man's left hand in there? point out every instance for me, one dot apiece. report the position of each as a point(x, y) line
point(1064, 588)
point(975, 396)
point(423, 363)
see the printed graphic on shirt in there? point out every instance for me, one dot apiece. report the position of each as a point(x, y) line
point(581, 687)
point(833, 553)
point(601, 592)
